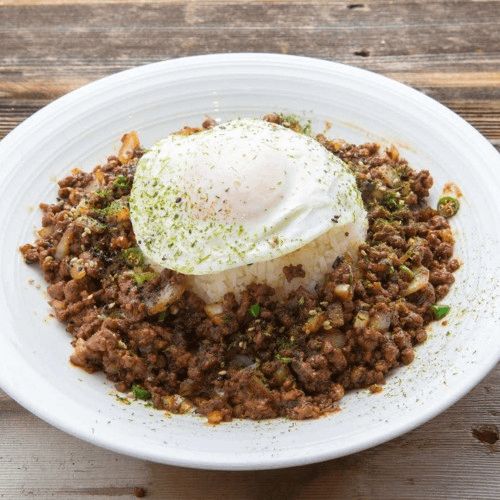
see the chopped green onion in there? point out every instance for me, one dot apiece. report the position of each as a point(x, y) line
point(141, 278)
point(140, 392)
point(133, 257)
point(440, 310)
point(391, 202)
point(255, 310)
point(407, 271)
point(110, 210)
point(283, 359)
point(121, 182)
point(122, 399)
point(103, 192)
point(448, 206)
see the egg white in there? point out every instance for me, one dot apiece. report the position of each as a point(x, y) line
point(242, 192)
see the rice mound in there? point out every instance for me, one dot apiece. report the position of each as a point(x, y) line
point(316, 258)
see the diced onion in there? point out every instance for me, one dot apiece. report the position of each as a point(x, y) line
point(62, 249)
point(90, 223)
point(343, 291)
point(381, 321)
point(77, 271)
point(169, 294)
point(419, 281)
point(390, 176)
point(335, 314)
point(215, 417)
point(314, 323)
point(393, 152)
point(130, 142)
point(45, 231)
point(58, 304)
point(214, 312)
point(361, 320)
point(176, 404)
point(123, 215)
point(99, 175)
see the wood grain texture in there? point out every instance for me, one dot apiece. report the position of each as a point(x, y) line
point(448, 49)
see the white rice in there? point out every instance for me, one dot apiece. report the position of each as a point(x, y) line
point(316, 258)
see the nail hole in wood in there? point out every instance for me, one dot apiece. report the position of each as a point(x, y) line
point(487, 434)
point(362, 53)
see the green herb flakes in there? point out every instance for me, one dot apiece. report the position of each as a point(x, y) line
point(140, 393)
point(142, 278)
point(255, 310)
point(283, 359)
point(121, 182)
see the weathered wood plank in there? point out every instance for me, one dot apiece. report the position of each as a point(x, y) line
point(452, 53)
point(39, 461)
point(365, 5)
point(472, 79)
point(482, 115)
point(410, 28)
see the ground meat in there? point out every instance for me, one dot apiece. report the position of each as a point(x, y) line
point(292, 272)
point(256, 357)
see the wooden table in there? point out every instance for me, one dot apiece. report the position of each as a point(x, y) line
point(448, 49)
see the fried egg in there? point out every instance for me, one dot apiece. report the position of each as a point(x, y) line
point(242, 192)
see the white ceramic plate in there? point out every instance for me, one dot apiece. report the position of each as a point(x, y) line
point(83, 127)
